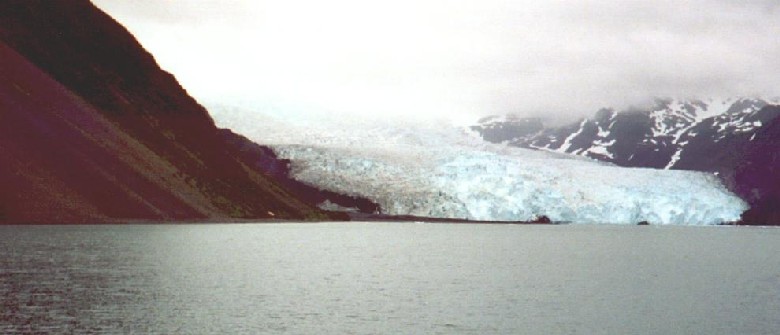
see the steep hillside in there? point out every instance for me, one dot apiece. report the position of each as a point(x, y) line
point(93, 130)
point(757, 175)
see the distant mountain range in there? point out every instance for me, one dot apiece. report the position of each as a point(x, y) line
point(734, 138)
point(92, 130)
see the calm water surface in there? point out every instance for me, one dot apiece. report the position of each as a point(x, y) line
point(389, 278)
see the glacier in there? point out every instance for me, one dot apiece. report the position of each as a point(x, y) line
point(436, 169)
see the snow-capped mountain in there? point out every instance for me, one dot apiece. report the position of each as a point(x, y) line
point(718, 136)
point(674, 134)
point(435, 171)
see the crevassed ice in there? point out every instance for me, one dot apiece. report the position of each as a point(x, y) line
point(439, 171)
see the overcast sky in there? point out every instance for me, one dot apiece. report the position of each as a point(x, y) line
point(457, 57)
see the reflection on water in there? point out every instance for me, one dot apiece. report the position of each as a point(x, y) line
point(389, 278)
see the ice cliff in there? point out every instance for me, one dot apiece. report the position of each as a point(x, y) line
point(439, 170)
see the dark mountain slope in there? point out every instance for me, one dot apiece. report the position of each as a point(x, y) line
point(92, 130)
point(757, 175)
point(63, 161)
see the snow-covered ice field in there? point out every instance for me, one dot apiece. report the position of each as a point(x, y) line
point(437, 169)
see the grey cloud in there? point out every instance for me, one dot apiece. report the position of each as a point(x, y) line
point(557, 58)
point(178, 12)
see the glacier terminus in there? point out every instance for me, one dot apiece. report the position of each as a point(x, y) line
point(440, 170)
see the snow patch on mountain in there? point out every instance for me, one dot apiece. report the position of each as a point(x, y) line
point(601, 147)
point(567, 142)
point(675, 158)
point(714, 107)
